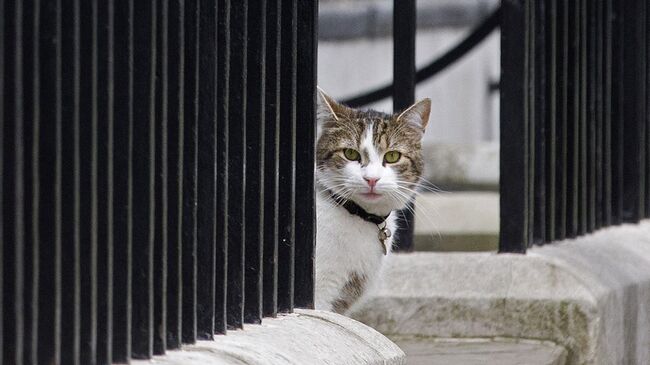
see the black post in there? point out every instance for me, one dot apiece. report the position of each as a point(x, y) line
point(142, 171)
point(223, 69)
point(272, 157)
point(190, 135)
point(550, 119)
point(634, 112)
point(307, 45)
point(49, 326)
point(236, 161)
point(206, 225)
point(175, 149)
point(123, 118)
point(70, 331)
point(404, 26)
point(255, 113)
point(287, 157)
point(161, 238)
point(514, 130)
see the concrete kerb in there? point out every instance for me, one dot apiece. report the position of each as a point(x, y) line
point(303, 337)
point(590, 295)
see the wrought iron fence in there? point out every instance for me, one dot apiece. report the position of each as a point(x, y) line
point(575, 119)
point(155, 186)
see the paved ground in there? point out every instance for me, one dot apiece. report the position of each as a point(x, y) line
point(422, 351)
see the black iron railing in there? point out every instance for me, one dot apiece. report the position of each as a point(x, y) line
point(458, 51)
point(152, 174)
point(574, 118)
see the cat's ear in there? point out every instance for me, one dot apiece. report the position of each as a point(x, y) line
point(417, 114)
point(328, 108)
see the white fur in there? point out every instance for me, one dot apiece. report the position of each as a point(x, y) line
point(345, 243)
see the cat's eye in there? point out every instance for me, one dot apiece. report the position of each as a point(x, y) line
point(352, 155)
point(392, 156)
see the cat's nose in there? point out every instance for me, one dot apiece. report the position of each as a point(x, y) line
point(372, 181)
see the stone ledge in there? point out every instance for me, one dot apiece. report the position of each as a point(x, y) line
point(459, 221)
point(304, 337)
point(476, 351)
point(590, 295)
point(457, 166)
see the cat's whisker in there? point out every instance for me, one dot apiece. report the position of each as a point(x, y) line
point(423, 214)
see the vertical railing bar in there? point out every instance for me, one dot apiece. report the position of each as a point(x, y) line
point(550, 121)
point(647, 90)
point(13, 201)
point(161, 239)
point(561, 121)
point(529, 107)
point(599, 123)
point(70, 184)
point(592, 126)
point(49, 321)
point(644, 134)
point(255, 102)
point(207, 170)
point(583, 126)
point(272, 157)
point(617, 112)
point(307, 44)
point(88, 181)
point(539, 227)
point(143, 171)
point(190, 170)
point(122, 152)
point(634, 110)
point(58, 200)
point(573, 118)
point(176, 51)
point(20, 209)
point(286, 212)
point(223, 82)
point(513, 233)
point(404, 26)
point(31, 131)
point(607, 115)
point(2, 173)
point(236, 161)
point(105, 58)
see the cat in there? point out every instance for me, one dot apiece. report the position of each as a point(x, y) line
point(368, 166)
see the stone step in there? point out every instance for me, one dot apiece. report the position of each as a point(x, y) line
point(428, 351)
point(458, 221)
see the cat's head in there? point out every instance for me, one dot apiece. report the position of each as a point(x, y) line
point(369, 157)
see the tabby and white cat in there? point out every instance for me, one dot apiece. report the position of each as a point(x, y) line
point(368, 166)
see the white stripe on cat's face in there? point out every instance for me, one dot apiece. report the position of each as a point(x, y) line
point(373, 183)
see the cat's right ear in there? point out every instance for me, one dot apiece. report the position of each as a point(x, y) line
point(326, 111)
point(328, 108)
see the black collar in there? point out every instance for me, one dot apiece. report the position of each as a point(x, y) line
point(355, 209)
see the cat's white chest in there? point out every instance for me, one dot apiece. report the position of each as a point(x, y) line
point(345, 245)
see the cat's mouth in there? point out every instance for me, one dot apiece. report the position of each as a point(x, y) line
point(371, 195)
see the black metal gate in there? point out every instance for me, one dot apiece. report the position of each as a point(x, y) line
point(153, 170)
point(575, 118)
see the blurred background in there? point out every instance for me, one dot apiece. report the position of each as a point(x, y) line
point(461, 144)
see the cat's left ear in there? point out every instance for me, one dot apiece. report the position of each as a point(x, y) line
point(417, 114)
